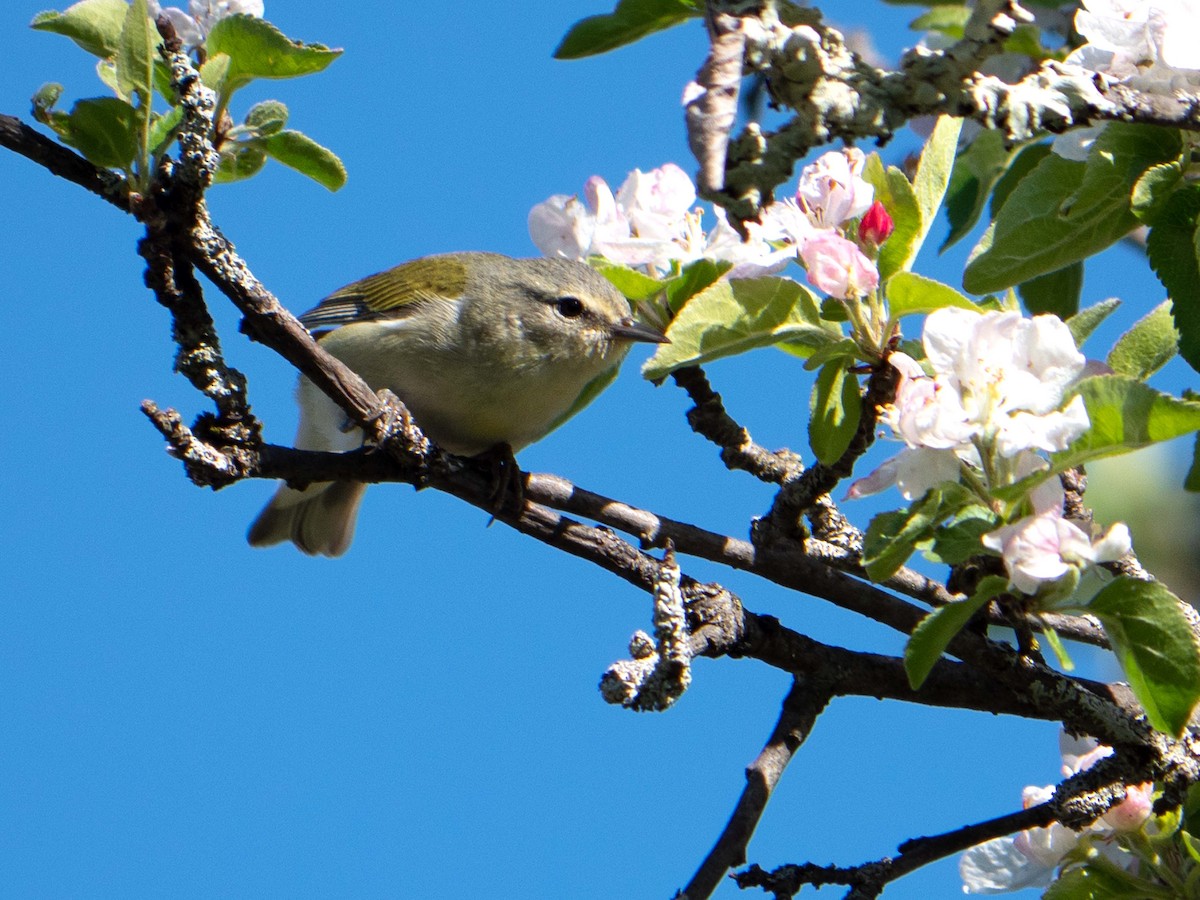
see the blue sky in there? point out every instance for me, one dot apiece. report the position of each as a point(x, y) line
point(182, 715)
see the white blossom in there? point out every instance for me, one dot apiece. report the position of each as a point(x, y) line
point(995, 390)
point(1151, 45)
point(832, 190)
point(1030, 858)
point(193, 26)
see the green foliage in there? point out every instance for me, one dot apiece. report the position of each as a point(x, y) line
point(695, 277)
point(1154, 189)
point(893, 190)
point(241, 162)
point(934, 633)
point(910, 294)
point(104, 129)
point(1084, 322)
point(961, 538)
point(731, 317)
point(1155, 644)
point(1146, 347)
point(1063, 211)
point(636, 286)
point(136, 53)
point(1172, 248)
point(933, 175)
point(1092, 883)
point(892, 537)
point(95, 25)
point(257, 49)
point(1126, 414)
point(267, 118)
point(1056, 292)
point(302, 153)
point(237, 50)
point(977, 168)
point(631, 21)
point(836, 409)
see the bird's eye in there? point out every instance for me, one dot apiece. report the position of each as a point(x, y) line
point(570, 307)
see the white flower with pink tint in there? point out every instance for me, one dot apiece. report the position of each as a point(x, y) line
point(650, 222)
point(836, 266)
point(832, 189)
point(1031, 857)
point(1151, 45)
point(656, 202)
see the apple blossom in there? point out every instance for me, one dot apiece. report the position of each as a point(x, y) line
point(193, 26)
point(648, 222)
point(831, 190)
point(1030, 857)
point(1151, 45)
point(1045, 547)
point(836, 266)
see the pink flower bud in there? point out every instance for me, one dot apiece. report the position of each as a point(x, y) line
point(875, 225)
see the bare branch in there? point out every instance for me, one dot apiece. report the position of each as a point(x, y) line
point(804, 702)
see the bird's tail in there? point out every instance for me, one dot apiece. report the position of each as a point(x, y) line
point(319, 519)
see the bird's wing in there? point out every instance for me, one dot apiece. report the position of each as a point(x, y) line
point(393, 294)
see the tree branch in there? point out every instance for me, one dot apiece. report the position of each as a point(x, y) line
point(804, 702)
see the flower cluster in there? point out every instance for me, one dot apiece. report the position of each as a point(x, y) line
point(651, 221)
point(1030, 858)
point(995, 398)
point(1151, 45)
point(194, 25)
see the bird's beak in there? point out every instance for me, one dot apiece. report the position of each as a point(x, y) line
point(630, 330)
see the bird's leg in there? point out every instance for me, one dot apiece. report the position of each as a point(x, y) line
point(507, 479)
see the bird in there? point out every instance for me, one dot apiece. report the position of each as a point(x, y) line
point(486, 351)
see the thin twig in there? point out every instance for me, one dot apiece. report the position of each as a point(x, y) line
point(804, 702)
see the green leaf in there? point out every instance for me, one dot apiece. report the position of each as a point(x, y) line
point(844, 351)
point(240, 161)
point(1084, 322)
point(933, 633)
point(896, 194)
point(267, 118)
point(1065, 211)
point(1147, 346)
point(95, 25)
point(162, 129)
point(949, 20)
point(306, 156)
point(636, 286)
point(1022, 164)
point(733, 316)
point(977, 168)
point(1191, 482)
point(1056, 292)
point(105, 130)
point(933, 176)
point(836, 408)
point(257, 49)
point(44, 99)
point(1171, 247)
point(959, 540)
point(214, 71)
point(909, 294)
point(1153, 190)
point(695, 277)
point(1126, 414)
point(631, 21)
point(1092, 883)
point(1154, 642)
point(893, 536)
point(136, 52)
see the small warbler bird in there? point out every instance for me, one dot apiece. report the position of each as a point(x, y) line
point(484, 350)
